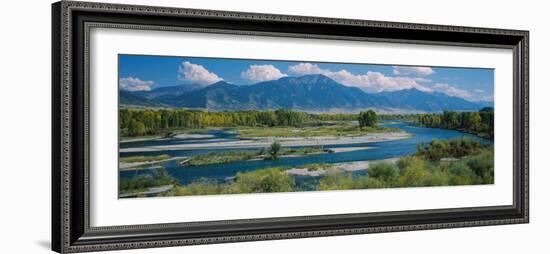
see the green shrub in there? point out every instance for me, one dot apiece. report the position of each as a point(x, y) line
point(413, 172)
point(200, 187)
point(336, 180)
point(409, 161)
point(367, 182)
point(456, 148)
point(144, 182)
point(461, 174)
point(318, 166)
point(384, 171)
point(438, 177)
point(413, 177)
point(274, 150)
point(266, 180)
point(483, 166)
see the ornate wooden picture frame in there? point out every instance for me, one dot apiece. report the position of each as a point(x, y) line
point(71, 196)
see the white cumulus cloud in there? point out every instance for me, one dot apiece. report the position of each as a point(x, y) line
point(135, 84)
point(369, 82)
point(196, 73)
point(452, 91)
point(262, 73)
point(409, 70)
point(378, 82)
point(306, 68)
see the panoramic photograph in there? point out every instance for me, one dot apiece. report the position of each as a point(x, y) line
point(219, 126)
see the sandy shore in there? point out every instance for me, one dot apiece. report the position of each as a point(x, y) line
point(139, 139)
point(345, 166)
point(191, 135)
point(286, 142)
point(181, 136)
point(132, 165)
point(334, 150)
point(150, 191)
point(135, 165)
point(348, 149)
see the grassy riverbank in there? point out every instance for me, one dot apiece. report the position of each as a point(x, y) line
point(143, 183)
point(243, 155)
point(135, 159)
point(221, 157)
point(339, 130)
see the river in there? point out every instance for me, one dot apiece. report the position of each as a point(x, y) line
point(223, 172)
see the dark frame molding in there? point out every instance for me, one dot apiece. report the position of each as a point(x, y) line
point(71, 22)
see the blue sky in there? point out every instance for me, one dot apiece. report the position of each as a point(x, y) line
point(137, 72)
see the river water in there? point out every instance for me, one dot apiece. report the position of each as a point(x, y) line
point(223, 172)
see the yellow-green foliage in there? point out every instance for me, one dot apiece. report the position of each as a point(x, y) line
point(482, 165)
point(475, 167)
point(273, 152)
point(138, 122)
point(366, 182)
point(461, 174)
point(455, 148)
point(259, 181)
point(301, 151)
point(413, 172)
point(267, 180)
point(384, 171)
point(336, 180)
point(222, 157)
point(318, 166)
point(132, 159)
point(200, 187)
point(480, 123)
point(144, 182)
point(335, 130)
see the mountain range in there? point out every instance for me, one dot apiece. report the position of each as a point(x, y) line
point(315, 93)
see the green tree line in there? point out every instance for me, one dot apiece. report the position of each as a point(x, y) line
point(139, 122)
point(480, 122)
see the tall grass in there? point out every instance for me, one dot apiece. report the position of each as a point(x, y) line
point(222, 157)
point(243, 155)
point(133, 159)
point(144, 182)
